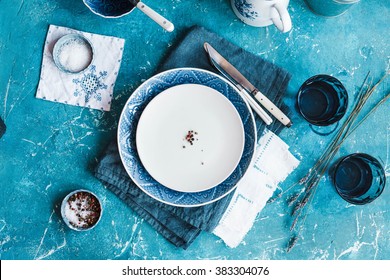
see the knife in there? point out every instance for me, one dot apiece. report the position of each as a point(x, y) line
point(159, 19)
point(244, 83)
point(254, 105)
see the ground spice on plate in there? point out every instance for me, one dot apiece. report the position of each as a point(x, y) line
point(190, 137)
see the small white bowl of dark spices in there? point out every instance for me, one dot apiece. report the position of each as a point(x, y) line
point(73, 53)
point(81, 210)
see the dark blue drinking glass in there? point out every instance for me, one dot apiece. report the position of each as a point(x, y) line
point(322, 100)
point(359, 178)
point(2, 128)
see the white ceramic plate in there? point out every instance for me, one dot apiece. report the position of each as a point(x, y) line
point(190, 138)
point(127, 128)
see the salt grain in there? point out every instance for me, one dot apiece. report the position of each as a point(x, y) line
point(82, 210)
point(72, 211)
point(75, 55)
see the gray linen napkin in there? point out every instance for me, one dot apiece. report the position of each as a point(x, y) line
point(181, 225)
point(2, 128)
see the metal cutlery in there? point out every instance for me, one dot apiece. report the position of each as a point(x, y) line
point(255, 107)
point(229, 71)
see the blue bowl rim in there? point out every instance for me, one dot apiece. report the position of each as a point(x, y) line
point(105, 16)
point(227, 82)
point(63, 204)
point(63, 39)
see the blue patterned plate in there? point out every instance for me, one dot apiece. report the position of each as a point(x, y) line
point(127, 135)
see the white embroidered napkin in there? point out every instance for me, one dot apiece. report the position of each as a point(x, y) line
point(272, 164)
point(92, 88)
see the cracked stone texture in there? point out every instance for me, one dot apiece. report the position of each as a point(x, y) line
point(49, 149)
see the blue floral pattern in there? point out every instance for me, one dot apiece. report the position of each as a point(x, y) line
point(90, 84)
point(127, 135)
point(245, 9)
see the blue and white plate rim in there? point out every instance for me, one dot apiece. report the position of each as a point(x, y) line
point(191, 69)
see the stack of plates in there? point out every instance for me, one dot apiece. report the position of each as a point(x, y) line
point(186, 137)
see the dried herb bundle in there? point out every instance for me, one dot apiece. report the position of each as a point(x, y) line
point(311, 180)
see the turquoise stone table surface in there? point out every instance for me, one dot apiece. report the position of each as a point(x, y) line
point(50, 149)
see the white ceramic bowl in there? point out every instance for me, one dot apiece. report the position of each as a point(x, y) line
point(190, 138)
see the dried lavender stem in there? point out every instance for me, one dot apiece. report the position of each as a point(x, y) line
point(304, 217)
point(322, 164)
point(358, 97)
point(360, 105)
point(369, 113)
point(291, 243)
point(330, 151)
point(293, 199)
point(344, 131)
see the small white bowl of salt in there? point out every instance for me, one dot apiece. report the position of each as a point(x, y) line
point(81, 210)
point(73, 53)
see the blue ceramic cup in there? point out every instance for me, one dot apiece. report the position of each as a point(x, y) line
point(322, 100)
point(330, 8)
point(359, 178)
point(119, 8)
point(110, 9)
